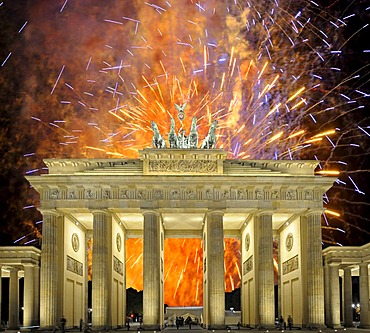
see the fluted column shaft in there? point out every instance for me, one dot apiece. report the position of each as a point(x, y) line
point(327, 303)
point(265, 270)
point(36, 301)
point(364, 295)
point(13, 300)
point(100, 270)
point(152, 264)
point(334, 296)
point(348, 311)
point(215, 267)
point(315, 278)
point(49, 272)
point(28, 296)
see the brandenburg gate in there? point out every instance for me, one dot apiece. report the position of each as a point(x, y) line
point(181, 191)
point(168, 193)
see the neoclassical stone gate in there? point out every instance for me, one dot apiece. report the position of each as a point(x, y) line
point(187, 193)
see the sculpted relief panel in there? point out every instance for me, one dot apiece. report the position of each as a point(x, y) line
point(178, 193)
point(188, 166)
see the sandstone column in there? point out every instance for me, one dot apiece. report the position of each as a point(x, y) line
point(364, 295)
point(265, 269)
point(101, 269)
point(334, 295)
point(347, 284)
point(36, 295)
point(28, 296)
point(13, 300)
point(215, 268)
point(152, 264)
point(315, 279)
point(49, 271)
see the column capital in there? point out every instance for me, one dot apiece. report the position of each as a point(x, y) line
point(215, 211)
point(100, 211)
point(310, 212)
point(347, 268)
point(150, 212)
point(52, 212)
point(334, 263)
point(264, 212)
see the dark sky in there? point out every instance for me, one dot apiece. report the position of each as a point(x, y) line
point(55, 88)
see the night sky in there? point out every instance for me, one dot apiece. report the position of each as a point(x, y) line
point(59, 83)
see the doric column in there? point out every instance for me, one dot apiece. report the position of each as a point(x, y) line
point(49, 271)
point(315, 278)
point(151, 271)
point(334, 295)
point(347, 286)
point(28, 296)
point(13, 300)
point(265, 269)
point(215, 268)
point(364, 295)
point(36, 295)
point(101, 269)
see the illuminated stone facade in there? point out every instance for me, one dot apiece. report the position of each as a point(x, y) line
point(110, 200)
point(343, 262)
point(21, 262)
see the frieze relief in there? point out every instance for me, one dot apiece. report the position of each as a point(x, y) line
point(75, 266)
point(106, 194)
point(54, 194)
point(291, 195)
point(185, 166)
point(157, 194)
point(72, 194)
point(175, 194)
point(124, 194)
point(290, 265)
point(231, 193)
point(248, 265)
point(208, 194)
point(117, 265)
point(90, 194)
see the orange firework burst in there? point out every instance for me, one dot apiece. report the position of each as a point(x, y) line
point(183, 271)
point(267, 71)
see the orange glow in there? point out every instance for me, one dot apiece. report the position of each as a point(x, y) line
point(331, 212)
point(324, 133)
point(183, 269)
point(328, 172)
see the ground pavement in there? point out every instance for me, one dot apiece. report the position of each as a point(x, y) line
point(134, 328)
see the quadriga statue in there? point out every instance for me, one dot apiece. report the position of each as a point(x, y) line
point(157, 141)
point(210, 140)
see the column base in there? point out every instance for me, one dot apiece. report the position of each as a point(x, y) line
point(267, 327)
point(149, 328)
point(364, 326)
point(100, 328)
point(49, 328)
point(217, 327)
point(314, 326)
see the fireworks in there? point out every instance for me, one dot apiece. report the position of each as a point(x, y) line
point(274, 74)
